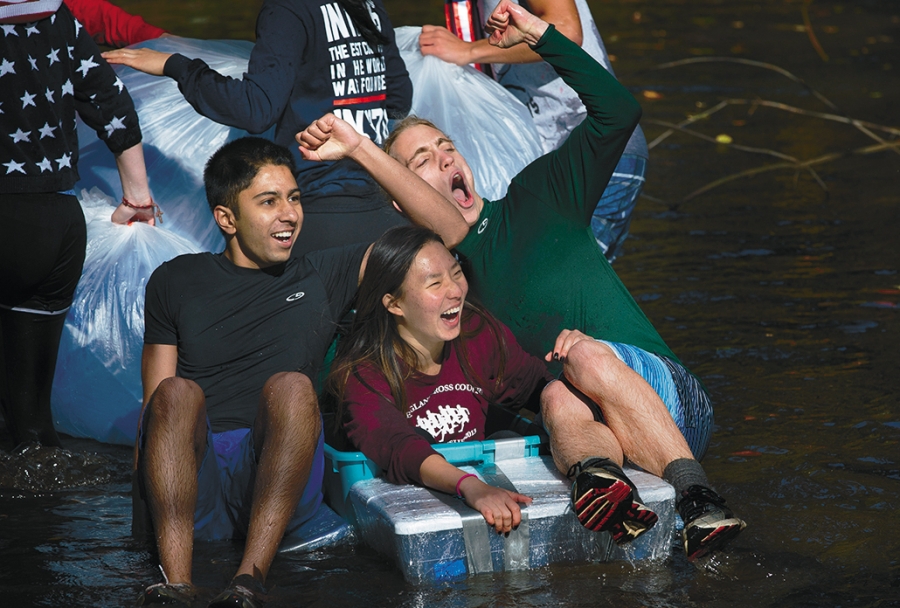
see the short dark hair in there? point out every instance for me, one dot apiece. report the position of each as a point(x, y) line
point(233, 167)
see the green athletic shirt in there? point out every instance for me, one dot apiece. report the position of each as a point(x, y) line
point(531, 257)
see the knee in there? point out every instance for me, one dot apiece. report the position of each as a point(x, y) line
point(589, 359)
point(559, 403)
point(289, 395)
point(175, 399)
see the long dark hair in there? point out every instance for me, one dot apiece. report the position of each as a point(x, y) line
point(362, 19)
point(373, 337)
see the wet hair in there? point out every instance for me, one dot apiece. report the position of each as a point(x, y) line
point(359, 12)
point(373, 338)
point(407, 123)
point(233, 167)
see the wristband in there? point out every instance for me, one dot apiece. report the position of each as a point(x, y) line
point(144, 212)
point(458, 495)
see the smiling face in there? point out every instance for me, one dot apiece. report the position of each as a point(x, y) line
point(429, 311)
point(432, 156)
point(268, 221)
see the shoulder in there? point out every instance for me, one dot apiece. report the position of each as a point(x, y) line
point(295, 7)
point(487, 224)
point(483, 331)
point(337, 260)
point(190, 262)
point(365, 379)
point(187, 267)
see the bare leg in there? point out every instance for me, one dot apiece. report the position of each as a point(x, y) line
point(287, 429)
point(574, 434)
point(634, 414)
point(175, 438)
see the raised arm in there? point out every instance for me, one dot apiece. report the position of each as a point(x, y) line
point(440, 42)
point(330, 138)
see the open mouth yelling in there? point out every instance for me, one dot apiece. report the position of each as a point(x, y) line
point(460, 191)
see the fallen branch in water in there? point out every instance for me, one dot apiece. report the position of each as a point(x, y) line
point(863, 126)
point(796, 166)
point(750, 62)
point(866, 128)
point(804, 10)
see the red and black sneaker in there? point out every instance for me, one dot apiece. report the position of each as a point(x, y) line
point(601, 493)
point(637, 519)
point(708, 523)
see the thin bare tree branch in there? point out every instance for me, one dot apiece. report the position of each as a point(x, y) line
point(750, 62)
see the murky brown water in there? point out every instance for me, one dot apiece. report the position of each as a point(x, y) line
point(783, 296)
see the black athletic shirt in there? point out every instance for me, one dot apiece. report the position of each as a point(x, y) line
point(236, 327)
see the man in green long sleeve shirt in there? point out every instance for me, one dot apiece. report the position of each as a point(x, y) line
point(532, 260)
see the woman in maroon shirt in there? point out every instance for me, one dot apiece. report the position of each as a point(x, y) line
point(421, 365)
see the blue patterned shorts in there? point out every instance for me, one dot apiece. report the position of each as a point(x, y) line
point(612, 216)
point(681, 391)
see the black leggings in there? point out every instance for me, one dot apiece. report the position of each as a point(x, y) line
point(42, 245)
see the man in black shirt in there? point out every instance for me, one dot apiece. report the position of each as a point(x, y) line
point(231, 438)
point(230, 345)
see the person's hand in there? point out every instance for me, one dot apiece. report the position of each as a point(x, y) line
point(566, 339)
point(443, 44)
point(511, 24)
point(144, 60)
point(499, 507)
point(128, 213)
point(328, 138)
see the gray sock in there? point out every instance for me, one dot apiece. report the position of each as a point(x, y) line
point(684, 473)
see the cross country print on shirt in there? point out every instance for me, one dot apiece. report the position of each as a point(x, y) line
point(446, 414)
point(357, 73)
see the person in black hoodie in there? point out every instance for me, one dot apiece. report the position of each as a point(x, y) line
point(50, 70)
point(311, 57)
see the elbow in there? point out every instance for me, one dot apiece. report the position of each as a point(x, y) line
point(257, 123)
point(455, 237)
point(570, 27)
point(572, 31)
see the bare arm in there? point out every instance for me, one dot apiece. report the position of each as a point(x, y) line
point(135, 187)
point(158, 362)
point(330, 138)
point(499, 507)
point(440, 42)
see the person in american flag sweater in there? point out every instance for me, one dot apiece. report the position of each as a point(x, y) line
point(50, 70)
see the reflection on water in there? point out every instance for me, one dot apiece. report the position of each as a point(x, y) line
point(39, 469)
point(782, 296)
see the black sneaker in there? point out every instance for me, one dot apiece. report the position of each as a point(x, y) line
point(601, 493)
point(708, 523)
point(243, 592)
point(168, 594)
point(638, 518)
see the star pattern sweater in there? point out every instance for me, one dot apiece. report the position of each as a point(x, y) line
point(50, 70)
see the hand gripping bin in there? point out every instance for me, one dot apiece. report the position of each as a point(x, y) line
point(433, 536)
